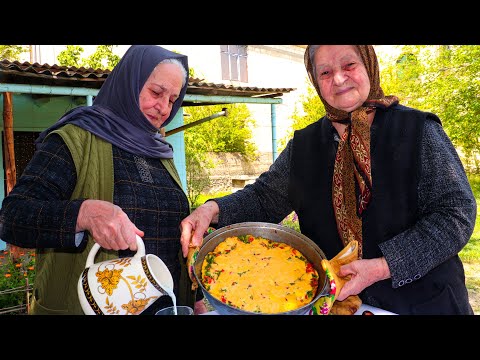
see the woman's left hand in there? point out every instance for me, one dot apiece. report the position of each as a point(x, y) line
point(363, 273)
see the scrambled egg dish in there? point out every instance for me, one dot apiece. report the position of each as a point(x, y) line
point(259, 275)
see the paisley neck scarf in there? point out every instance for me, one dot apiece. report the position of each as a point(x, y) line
point(352, 161)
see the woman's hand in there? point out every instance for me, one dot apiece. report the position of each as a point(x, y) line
point(194, 225)
point(108, 224)
point(363, 273)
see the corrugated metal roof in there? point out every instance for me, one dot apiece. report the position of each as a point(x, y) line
point(15, 72)
point(198, 86)
point(54, 75)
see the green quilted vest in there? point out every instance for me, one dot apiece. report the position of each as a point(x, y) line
point(58, 271)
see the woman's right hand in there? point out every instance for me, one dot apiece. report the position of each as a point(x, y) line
point(108, 224)
point(194, 225)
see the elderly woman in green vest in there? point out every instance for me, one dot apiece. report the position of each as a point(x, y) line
point(372, 171)
point(105, 174)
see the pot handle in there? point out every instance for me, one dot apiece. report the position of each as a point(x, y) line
point(93, 251)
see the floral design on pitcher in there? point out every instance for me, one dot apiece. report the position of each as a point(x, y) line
point(109, 280)
point(135, 307)
point(111, 308)
point(126, 261)
point(139, 282)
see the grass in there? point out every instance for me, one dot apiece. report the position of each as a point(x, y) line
point(17, 275)
point(471, 252)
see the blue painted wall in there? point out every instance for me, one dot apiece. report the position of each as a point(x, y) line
point(32, 113)
point(178, 142)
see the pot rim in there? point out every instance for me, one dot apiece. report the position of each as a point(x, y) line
point(217, 236)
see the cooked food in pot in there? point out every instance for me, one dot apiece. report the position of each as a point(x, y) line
point(259, 275)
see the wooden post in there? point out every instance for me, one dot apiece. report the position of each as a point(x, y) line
point(9, 152)
point(8, 145)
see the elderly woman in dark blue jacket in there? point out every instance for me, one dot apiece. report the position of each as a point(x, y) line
point(373, 171)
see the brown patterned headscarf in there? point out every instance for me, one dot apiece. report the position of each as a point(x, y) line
point(352, 162)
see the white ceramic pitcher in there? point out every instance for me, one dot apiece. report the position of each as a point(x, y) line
point(123, 286)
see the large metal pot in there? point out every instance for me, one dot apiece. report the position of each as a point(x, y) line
point(269, 231)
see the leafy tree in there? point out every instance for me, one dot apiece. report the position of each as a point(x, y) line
point(444, 80)
point(71, 56)
point(454, 95)
point(197, 163)
point(102, 58)
point(11, 52)
point(198, 174)
point(223, 134)
point(232, 133)
point(402, 76)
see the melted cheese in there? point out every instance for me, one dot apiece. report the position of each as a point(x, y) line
point(259, 275)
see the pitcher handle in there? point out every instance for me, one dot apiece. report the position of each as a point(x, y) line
point(96, 247)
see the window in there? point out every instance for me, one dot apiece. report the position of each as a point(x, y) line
point(234, 62)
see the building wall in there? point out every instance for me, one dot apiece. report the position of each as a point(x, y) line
point(279, 66)
point(233, 172)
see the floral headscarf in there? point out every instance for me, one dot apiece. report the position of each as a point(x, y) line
point(352, 162)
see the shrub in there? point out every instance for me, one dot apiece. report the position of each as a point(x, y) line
point(16, 277)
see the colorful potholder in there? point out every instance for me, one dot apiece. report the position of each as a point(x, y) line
point(324, 304)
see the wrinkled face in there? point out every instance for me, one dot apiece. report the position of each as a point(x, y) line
point(159, 93)
point(341, 76)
